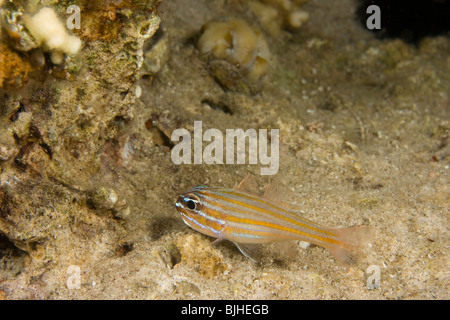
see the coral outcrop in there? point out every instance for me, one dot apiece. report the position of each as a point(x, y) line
point(56, 126)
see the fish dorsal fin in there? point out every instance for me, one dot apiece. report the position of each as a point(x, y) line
point(281, 195)
point(275, 190)
point(202, 186)
point(249, 250)
point(248, 185)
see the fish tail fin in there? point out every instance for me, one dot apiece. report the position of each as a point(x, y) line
point(350, 243)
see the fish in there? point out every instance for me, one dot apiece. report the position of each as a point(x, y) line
point(243, 217)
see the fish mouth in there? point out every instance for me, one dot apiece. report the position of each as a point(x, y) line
point(179, 203)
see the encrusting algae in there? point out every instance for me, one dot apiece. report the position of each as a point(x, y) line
point(13, 69)
point(106, 20)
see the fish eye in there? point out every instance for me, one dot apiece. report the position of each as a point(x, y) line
point(191, 204)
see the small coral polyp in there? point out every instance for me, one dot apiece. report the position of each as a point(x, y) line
point(51, 33)
point(236, 42)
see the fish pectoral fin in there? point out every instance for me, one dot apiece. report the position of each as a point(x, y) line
point(249, 250)
point(218, 240)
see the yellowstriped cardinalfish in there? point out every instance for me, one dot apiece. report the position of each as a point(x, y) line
point(246, 219)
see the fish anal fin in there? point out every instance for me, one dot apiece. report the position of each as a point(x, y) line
point(346, 256)
point(351, 241)
point(249, 250)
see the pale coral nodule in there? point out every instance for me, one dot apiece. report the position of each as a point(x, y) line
point(236, 42)
point(46, 28)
